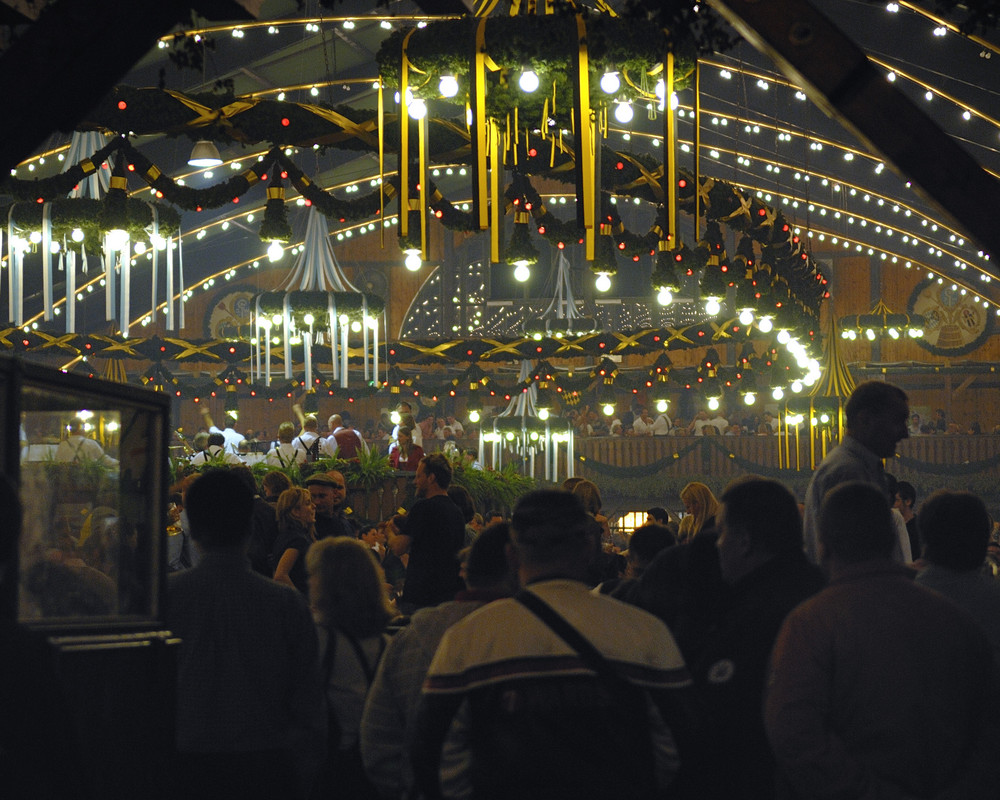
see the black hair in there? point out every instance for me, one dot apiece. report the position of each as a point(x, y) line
point(486, 564)
point(954, 529)
point(855, 523)
point(906, 491)
point(548, 520)
point(658, 513)
point(767, 511)
point(648, 541)
point(460, 497)
point(438, 466)
point(219, 506)
point(872, 396)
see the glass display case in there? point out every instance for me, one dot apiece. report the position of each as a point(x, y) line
point(86, 459)
point(89, 464)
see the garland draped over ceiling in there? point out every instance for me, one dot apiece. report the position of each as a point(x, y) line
point(540, 138)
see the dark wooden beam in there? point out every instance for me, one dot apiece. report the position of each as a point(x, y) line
point(838, 77)
point(75, 52)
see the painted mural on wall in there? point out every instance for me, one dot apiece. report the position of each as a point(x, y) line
point(955, 322)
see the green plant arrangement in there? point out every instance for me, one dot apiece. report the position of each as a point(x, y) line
point(368, 471)
point(490, 488)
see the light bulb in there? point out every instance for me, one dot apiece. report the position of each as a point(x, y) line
point(784, 337)
point(308, 319)
point(276, 319)
point(356, 326)
point(54, 247)
point(764, 324)
point(870, 334)
point(77, 235)
point(543, 414)
point(610, 83)
point(344, 319)
point(140, 248)
point(603, 282)
point(528, 81)
point(473, 416)
point(749, 398)
point(275, 251)
point(713, 403)
point(36, 236)
point(893, 333)
point(448, 86)
point(778, 393)
point(394, 417)
point(413, 262)
point(824, 418)
point(664, 297)
point(608, 409)
point(158, 241)
point(661, 406)
point(510, 437)
point(521, 272)
point(661, 89)
point(746, 316)
point(623, 112)
point(712, 306)
point(116, 238)
point(796, 386)
point(417, 109)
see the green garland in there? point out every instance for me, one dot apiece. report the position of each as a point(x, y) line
point(545, 44)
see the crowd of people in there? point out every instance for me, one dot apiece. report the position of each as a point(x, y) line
point(756, 648)
point(751, 646)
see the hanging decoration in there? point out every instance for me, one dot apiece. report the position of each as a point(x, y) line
point(881, 322)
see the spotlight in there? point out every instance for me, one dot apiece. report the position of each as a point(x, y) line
point(205, 154)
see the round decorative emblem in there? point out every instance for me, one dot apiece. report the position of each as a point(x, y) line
point(955, 322)
point(721, 671)
point(230, 316)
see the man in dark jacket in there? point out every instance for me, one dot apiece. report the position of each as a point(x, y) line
point(762, 561)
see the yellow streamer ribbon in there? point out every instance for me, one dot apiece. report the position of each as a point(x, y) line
point(670, 149)
point(381, 163)
point(422, 206)
point(585, 140)
point(404, 143)
point(496, 167)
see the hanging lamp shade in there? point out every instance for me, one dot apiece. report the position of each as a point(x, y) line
point(205, 154)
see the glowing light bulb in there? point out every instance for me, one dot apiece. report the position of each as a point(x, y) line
point(528, 81)
point(543, 414)
point(473, 416)
point(448, 86)
point(356, 326)
point(749, 398)
point(309, 319)
point(610, 83)
point(603, 282)
point(608, 409)
point(116, 238)
point(623, 112)
point(276, 319)
point(713, 403)
point(394, 417)
point(784, 337)
point(778, 393)
point(746, 316)
point(275, 252)
point(417, 109)
point(712, 306)
point(661, 406)
point(796, 386)
point(870, 335)
point(77, 235)
point(521, 272)
point(664, 297)
point(413, 262)
point(764, 324)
